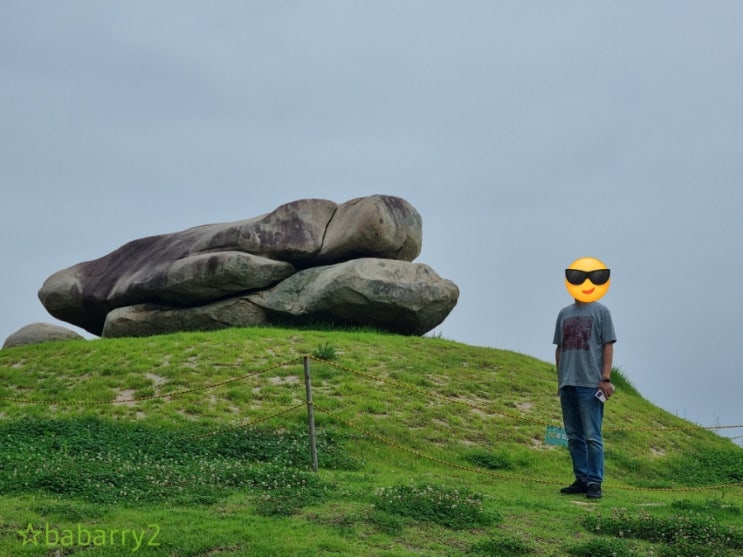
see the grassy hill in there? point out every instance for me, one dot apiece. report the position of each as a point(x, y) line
point(195, 444)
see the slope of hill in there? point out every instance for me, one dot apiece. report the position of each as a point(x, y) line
point(197, 444)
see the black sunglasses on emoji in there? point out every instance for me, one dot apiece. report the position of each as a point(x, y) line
point(597, 277)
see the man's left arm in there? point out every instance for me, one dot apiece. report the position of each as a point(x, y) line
point(608, 357)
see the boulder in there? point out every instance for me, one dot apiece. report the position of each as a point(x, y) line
point(198, 278)
point(308, 260)
point(407, 298)
point(206, 262)
point(151, 319)
point(37, 333)
point(376, 226)
point(138, 271)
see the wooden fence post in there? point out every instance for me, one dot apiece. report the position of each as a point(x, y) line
point(310, 413)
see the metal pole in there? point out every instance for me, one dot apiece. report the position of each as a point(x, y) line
point(310, 413)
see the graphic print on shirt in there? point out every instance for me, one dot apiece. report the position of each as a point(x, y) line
point(576, 333)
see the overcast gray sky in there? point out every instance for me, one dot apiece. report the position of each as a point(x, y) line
point(527, 134)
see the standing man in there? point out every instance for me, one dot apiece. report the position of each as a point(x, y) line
point(584, 336)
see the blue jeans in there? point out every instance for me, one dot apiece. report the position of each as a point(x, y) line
point(582, 414)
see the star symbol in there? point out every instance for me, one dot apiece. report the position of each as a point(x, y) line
point(29, 535)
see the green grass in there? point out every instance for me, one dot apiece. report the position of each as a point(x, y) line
point(195, 444)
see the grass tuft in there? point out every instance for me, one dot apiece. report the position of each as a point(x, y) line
point(453, 508)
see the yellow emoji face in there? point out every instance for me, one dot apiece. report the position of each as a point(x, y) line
point(587, 279)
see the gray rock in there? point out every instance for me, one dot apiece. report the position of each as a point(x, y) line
point(377, 226)
point(293, 232)
point(84, 293)
point(307, 261)
point(37, 333)
point(203, 264)
point(152, 319)
point(199, 278)
point(403, 297)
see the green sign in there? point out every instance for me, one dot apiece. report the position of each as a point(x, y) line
point(556, 436)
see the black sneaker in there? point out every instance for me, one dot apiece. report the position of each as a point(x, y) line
point(578, 486)
point(594, 491)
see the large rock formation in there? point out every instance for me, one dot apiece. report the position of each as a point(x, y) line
point(308, 261)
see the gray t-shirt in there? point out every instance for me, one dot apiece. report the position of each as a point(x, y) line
point(581, 331)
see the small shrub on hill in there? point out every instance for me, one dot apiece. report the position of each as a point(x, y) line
point(504, 546)
point(325, 351)
point(601, 547)
point(491, 460)
point(284, 491)
point(453, 508)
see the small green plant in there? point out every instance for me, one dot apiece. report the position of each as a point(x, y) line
point(602, 547)
point(387, 523)
point(505, 546)
point(284, 491)
point(325, 351)
point(500, 460)
point(453, 508)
